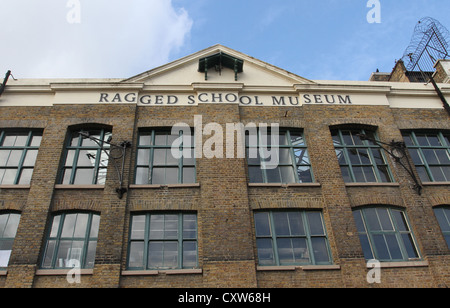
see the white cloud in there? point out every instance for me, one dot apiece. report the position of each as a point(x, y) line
point(115, 38)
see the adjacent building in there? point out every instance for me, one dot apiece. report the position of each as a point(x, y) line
point(283, 181)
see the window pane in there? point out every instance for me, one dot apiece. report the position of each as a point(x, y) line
point(301, 252)
point(9, 176)
point(14, 158)
point(158, 176)
point(95, 226)
point(3, 221)
point(255, 175)
point(30, 158)
point(171, 176)
point(5, 252)
point(69, 158)
point(430, 157)
point(438, 174)
point(385, 219)
point(287, 175)
point(171, 227)
point(189, 254)
point(365, 244)
point(315, 223)
point(189, 175)
point(101, 176)
point(136, 256)
point(84, 176)
point(25, 176)
point(90, 257)
point(280, 220)
point(381, 247)
point(86, 158)
point(424, 177)
point(384, 174)
point(145, 139)
point(372, 219)
point(320, 249)
point(422, 139)
point(4, 156)
point(297, 139)
point(273, 175)
point(69, 225)
point(265, 252)
point(49, 252)
point(188, 157)
point(409, 245)
point(443, 219)
point(189, 226)
point(163, 254)
point(36, 140)
point(138, 227)
point(400, 220)
point(160, 138)
point(64, 254)
point(142, 176)
point(157, 227)
point(11, 226)
point(253, 157)
point(296, 224)
point(143, 157)
point(369, 174)
point(81, 225)
point(66, 176)
point(394, 248)
point(346, 174)
point(359, 174)
point(359, 221)
point(55, 226)
point(286, 251)
point(304, 174)
point(262, 224)
point(301, 157)
point(285, 156)
point(443, 156)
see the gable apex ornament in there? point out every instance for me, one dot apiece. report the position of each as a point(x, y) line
point(218, 61)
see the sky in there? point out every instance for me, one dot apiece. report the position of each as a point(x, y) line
point(315, 39)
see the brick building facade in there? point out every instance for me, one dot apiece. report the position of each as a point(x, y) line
point(335, 200)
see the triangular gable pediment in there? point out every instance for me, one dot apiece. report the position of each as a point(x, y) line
point(187, 71)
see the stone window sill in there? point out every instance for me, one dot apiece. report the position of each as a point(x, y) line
point(158, 272)
point(3, 273)
point(63, 186)
point(303, 267)
point(27, 186)
point(62, 272)
point(284, 185)
point(401, 264)
point(435, 183)
point(159, 186)
point(372, 184)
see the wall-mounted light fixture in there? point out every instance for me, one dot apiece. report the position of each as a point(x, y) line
point(117, 154)
point(397, 150)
